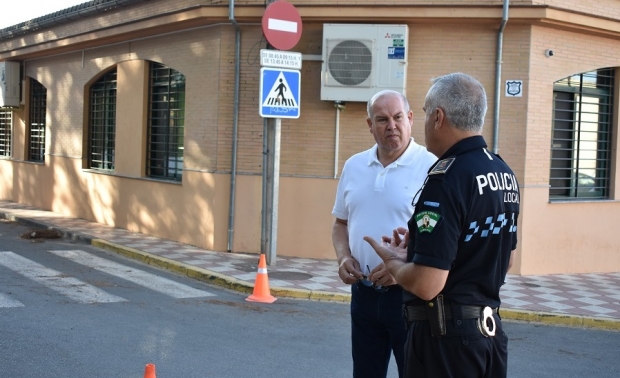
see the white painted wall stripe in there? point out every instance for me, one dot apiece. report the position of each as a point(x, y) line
point(148, 280)
point(281, 25)
point(71, 287)
point(7, 301)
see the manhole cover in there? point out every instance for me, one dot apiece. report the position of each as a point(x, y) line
point(246, 266)
point(530, 284)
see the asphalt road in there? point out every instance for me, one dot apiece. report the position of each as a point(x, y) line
point(68, 310)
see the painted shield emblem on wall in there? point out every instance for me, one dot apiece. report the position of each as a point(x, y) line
point(513, 88)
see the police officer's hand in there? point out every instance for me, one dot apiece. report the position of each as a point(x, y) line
point(400, 237)
point(387, 252)
point(397, 243)
point(393, 255)
point(349, 270)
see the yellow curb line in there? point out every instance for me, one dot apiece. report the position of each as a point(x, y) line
point(560, 319)
point(231, 283)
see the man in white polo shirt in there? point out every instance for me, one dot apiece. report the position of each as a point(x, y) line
point(374, 197)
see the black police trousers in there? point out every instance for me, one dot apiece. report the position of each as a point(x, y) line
point(462, 353)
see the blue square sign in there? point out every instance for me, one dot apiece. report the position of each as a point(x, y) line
point(396, 53)
point(279, 93)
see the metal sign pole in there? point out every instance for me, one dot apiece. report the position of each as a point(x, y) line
point(267, 219)
point(280, 95)
point(275, 189)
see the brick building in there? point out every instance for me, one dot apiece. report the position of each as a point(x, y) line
point(127, 116)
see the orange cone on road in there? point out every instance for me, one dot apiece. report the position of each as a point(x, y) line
point(149, 371)
point(261, 286)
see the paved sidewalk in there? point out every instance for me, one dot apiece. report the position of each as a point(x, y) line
point(588, 300)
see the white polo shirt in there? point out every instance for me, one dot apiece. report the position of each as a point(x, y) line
point(375, 199)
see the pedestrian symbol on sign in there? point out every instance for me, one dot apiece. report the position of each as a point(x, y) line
point(280, 94)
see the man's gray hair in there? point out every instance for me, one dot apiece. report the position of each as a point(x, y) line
point(461, 97)
point(385, 92)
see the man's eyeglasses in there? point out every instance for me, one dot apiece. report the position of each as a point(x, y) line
point(366, 282)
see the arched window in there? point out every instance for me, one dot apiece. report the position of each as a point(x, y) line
point(102, 122)
point(581, 144)
point(166, 123)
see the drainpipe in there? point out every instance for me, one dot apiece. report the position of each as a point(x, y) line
point(233, 171)
point(339, 105)
point(498, 76)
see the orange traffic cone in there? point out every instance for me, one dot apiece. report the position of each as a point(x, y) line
point(261, 286)
point(149, 371)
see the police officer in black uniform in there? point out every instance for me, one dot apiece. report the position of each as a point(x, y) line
point(459, 243)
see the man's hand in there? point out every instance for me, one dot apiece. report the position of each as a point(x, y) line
point(348, 267)
point(380, 276)
point(349, 270)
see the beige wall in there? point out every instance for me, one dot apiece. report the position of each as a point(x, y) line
point(131, 118)
point(553, 237)
point(304, 216)
point(187, 213)
point(560, 237)
point(568, 237)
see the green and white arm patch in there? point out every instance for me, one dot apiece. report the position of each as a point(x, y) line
point(426, 220)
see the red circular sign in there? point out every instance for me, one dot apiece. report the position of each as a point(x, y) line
point(282, 25)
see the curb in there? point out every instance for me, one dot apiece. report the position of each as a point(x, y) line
point(176, 266)
point(560, 319)
point(244, 287)
point(215, 278)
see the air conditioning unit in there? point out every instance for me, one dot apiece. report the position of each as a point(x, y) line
point(360, 60)
point(9, 84)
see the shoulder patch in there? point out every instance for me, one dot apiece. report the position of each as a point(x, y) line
point(442, 166)
point(426, 220)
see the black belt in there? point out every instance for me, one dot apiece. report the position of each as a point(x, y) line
point(420, 312)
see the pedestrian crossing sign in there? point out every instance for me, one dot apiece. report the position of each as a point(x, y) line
point(279, 93)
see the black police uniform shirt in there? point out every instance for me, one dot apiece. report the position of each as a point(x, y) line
point(465, 221)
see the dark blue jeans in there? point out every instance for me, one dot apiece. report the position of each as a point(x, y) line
point(462, 353)
point(377, 330)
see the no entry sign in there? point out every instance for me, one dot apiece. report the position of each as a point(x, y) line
point(282, 25)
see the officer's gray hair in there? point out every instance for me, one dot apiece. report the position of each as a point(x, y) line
point(385, 92)
point(461, 97)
